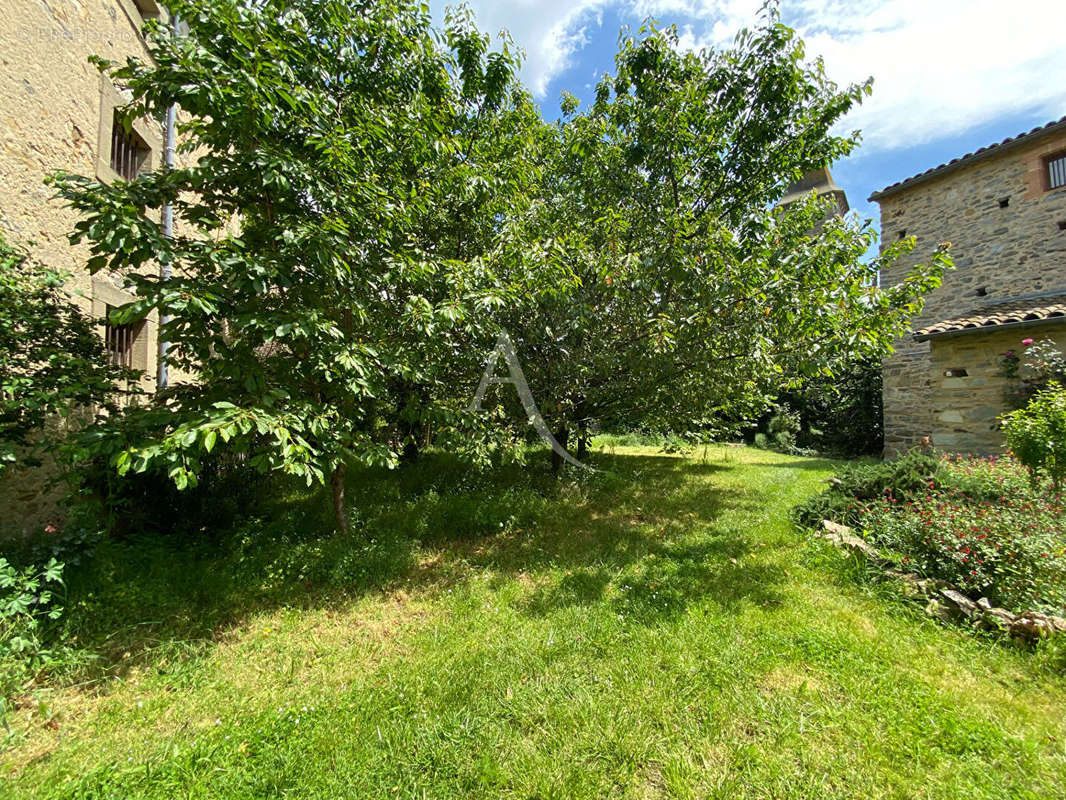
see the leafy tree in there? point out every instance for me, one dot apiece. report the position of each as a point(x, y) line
point(487, 178)
point(52, 362)
point(692, 296)
point(842, 414)
point(314, 297)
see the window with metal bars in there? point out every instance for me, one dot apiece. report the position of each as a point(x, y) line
point(1056, 171)
point(129, 153)
point(118, 339)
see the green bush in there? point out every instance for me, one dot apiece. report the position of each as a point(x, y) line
point(782, 430)
point(982, 479)
point(978, 523)
point(27, 601)
point(1036, 435)
point(841, 415)
point(785, 441)
point(856, 484)
point(52, 361)
point(784, 420)
point(1009, 548)
point(149, 502)
point(1037, 366)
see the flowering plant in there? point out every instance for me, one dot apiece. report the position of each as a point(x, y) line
point(982, 527)
point(1040, 364)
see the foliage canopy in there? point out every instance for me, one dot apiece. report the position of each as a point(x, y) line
point(52, 362)
point(367, 200)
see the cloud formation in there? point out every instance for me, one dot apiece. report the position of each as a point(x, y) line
point(549, 31)
point(940, 67)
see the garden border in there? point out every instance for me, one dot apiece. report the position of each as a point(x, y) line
point(945, 601)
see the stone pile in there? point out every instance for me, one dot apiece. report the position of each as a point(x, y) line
point(944, 601)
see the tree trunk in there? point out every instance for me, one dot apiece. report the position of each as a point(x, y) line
point(411, 447)
point(562, 436)
point(412, 425)
point(340, 512)
point(582, 441)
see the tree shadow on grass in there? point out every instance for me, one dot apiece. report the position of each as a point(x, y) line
point(642, 534)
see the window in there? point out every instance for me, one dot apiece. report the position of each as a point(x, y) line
point(1056, 171)
point(1004, 202)
point(129, 153)
point(119, 339)
point(123, 151)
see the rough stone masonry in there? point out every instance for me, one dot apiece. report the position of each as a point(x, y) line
point(1007, 230)
point(57, 113)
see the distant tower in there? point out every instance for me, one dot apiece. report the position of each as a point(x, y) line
point(820, 180)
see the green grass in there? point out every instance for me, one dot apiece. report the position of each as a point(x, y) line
point(658, 630)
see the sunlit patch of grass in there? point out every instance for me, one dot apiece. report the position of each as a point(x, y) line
point(657, 629)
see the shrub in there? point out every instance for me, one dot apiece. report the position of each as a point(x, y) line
point(149, 502)
point(1037, 366)
point(982, 479)
point(785, 420)
point(27, 600)
point(1010, 549)
point(978, 523)
point(52, 362)
point(842, 414)
point(782, 429)
point(856, 484)
point(1036, 435)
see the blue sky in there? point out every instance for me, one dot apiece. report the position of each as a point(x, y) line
point(950, 76)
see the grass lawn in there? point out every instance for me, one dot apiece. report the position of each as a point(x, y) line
point(659, 631)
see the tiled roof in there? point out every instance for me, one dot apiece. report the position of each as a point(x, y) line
point(955, 163)
point(1036, 309)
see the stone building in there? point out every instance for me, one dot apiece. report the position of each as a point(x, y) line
point(57, 112)
point(1003, 208)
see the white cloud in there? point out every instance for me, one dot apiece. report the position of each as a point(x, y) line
point(549, 31)
point(940, 66)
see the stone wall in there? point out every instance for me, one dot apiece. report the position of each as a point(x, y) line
point(1000, 252)
point(56, 112)
point(967, 388)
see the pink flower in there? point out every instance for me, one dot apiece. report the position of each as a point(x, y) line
point(49, 528)
point(1027, 342)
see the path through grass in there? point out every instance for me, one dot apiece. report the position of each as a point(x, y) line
point(662, 632)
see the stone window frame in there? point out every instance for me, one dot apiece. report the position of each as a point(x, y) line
point(1045, 170)
point(139, 11)
point(112, 99)
point(106, 294)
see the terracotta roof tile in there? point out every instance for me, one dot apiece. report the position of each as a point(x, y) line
point(1038, 309)
point(983, 152)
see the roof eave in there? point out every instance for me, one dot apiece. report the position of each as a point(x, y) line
point(1025, 323)
point(990, 151)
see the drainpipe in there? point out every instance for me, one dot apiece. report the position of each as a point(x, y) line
point(168, 230)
